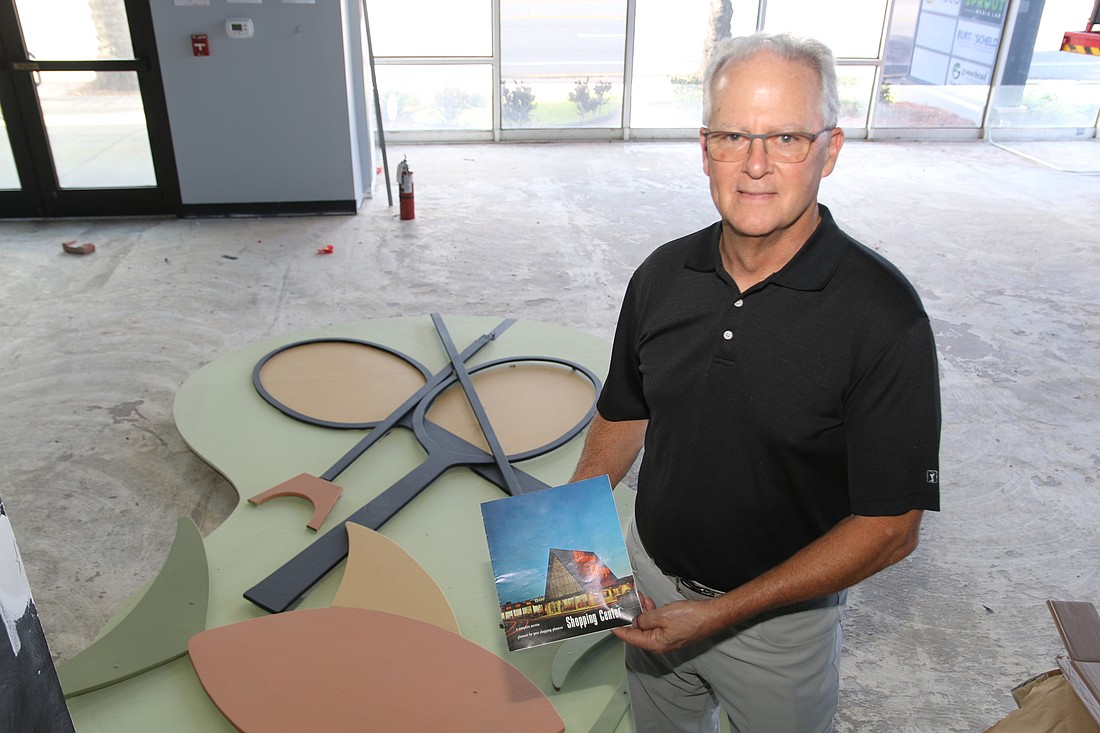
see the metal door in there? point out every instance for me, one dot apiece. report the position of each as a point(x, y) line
point(83, 109)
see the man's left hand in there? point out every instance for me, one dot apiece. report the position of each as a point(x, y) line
point(671, 627)
point(856, 548)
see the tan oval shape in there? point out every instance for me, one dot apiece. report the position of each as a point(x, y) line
point(340, 381)
point(528, 405)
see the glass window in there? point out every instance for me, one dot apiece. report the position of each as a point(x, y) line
point(855, 85)
point(1057, 88)
point(670, 41)
point(745, 16)
point(96, 129)
point(562, 63)
point(436, 96)
point(854, 32)
point(550, 103)
point(939, 62)
point(431, 27)
point(69, 30)
point(9, 177)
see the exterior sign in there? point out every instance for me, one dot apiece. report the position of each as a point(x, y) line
point(957, 40)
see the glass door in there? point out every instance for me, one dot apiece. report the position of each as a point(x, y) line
point(83, 111)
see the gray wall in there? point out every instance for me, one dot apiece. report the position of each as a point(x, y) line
point(279, 117)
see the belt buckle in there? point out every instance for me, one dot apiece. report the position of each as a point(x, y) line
point(697, 587)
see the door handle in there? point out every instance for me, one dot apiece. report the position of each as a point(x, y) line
point(98, 65)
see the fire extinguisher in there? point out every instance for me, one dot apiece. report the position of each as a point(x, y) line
point(405, 186)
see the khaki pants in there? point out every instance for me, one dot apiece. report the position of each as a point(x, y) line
point(776, 676)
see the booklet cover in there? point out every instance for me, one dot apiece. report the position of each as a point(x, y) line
point(560, 563)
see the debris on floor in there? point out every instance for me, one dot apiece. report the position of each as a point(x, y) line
point(78, 249)
point(326, 250)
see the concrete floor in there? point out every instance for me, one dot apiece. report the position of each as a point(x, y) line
point(1005, 252)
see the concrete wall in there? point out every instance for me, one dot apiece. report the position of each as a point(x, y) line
point(278, 118)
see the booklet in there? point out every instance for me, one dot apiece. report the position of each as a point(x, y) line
point(560, 563)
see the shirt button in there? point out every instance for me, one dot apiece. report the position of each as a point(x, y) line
point(739, 303)
point(727, 335)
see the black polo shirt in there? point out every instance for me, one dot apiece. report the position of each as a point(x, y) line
point(774, 413)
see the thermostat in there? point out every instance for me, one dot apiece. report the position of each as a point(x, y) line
point(238, 27)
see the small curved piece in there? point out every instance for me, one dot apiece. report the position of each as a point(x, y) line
point(318, 492)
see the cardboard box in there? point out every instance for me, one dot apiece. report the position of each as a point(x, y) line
point(1067, 699)
point(1079, 626)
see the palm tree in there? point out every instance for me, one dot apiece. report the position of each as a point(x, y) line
point(113, 32)
point(718, 29)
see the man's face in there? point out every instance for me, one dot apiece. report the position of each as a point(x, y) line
point(758, 197)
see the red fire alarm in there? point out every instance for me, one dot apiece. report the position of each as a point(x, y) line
point(200, 46)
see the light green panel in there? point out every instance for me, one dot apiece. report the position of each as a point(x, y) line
point(157, 630)
point(255, 447)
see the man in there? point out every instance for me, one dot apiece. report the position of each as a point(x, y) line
point(783, 380)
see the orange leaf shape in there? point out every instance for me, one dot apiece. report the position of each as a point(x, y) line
point(349, 669)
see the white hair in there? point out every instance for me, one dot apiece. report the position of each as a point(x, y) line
point(808, 51)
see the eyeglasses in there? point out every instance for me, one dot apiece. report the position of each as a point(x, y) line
point(781, 147)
